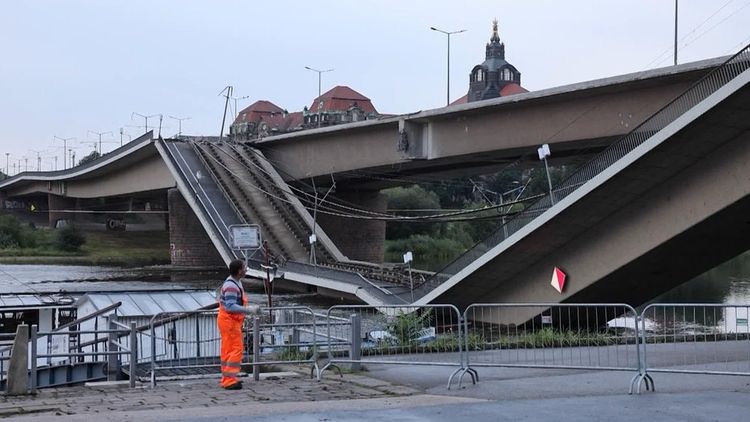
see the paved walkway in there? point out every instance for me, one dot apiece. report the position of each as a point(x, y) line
point(168, 396)
point(397, 394)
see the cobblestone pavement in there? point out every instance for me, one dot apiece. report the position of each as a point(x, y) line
point(195, 393)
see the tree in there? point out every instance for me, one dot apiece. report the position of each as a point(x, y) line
point(410, 198)
point(89, 158)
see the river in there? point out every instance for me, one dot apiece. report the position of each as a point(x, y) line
point(727, 283)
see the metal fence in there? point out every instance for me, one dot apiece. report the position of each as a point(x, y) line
point(600, 336)
point(285, 335)
point(190, 342)
point(395, 335)
point(182, 341)
point(696, 339)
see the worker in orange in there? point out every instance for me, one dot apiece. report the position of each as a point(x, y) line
point(233, 306)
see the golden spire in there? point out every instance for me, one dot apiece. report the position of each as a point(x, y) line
point(495, 36)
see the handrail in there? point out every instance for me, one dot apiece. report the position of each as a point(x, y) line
point(697, 92)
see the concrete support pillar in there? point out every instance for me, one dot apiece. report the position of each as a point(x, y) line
point(189, 244)
point(362, 240)
point(18, 374)
point(3, 198)
point(56, 202)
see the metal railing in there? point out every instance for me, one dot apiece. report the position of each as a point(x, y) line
point(597, 336)
point(698, 92)
point(290, 336)
point(121, 341)
point(711, 339)
point(429, 335)
point(183, 340)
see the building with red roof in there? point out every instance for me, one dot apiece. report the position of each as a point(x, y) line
point(339, 105)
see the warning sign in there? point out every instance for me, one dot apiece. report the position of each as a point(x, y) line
point(558, 279)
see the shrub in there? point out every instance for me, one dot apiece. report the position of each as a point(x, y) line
point(69, 238)
point(13, 234)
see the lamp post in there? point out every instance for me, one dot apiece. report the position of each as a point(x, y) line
point(144, 116)
point(448, 33)
point(65, 149)
point(7, 167)
point(100, 139)
point(543, 152)
point(123, 133)
point(180, 119)
point(408, 258)
point(236, 112)
point(38, 159)
point(320, 73)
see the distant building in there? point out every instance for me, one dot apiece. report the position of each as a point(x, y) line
point(263, 118)
point(494, 77)
point(339, 105)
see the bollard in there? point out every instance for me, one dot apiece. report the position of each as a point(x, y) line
point(18, 378)
point(153, 354)
point(355, 349)
point(133, 353)
point(34, 352)
point(256, 348)
point(113, 359)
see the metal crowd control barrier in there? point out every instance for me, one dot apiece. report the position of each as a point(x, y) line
point(600, 336)
point(289, 337)
point(695, 338)
point(184, 340)
point(427, 335)
point(190, 342)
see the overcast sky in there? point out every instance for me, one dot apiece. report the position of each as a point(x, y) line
point(67, 67)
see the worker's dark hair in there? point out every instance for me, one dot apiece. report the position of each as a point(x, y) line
point(235, 267)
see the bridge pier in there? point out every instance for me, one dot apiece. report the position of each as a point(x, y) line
point(55, 204)
point(3, 198)
point(189, 244)
point(358, 239)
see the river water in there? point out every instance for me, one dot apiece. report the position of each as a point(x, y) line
point(728, 283)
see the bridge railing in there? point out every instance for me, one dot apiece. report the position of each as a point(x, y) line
point(699, 91)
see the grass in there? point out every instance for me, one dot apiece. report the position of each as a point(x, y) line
point(101, 248)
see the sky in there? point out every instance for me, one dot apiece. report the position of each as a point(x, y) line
point(69, 68)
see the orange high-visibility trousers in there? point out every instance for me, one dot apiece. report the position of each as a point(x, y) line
point(230, 328)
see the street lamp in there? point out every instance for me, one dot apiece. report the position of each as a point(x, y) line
point(144, 116)
point(122, 133)
point(320, 73)
point(408, 258)
point(236, 112)
point(38, 159)
point(100, 139)
point(448, 33)
point(180, 119)
point(65, 149)
point(7, 168)
point(543, 152)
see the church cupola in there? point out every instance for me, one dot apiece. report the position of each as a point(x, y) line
point(495, 77)
point(495, 48)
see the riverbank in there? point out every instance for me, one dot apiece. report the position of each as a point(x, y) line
point(108, 248)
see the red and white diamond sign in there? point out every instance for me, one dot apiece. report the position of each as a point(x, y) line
point(558, 279)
